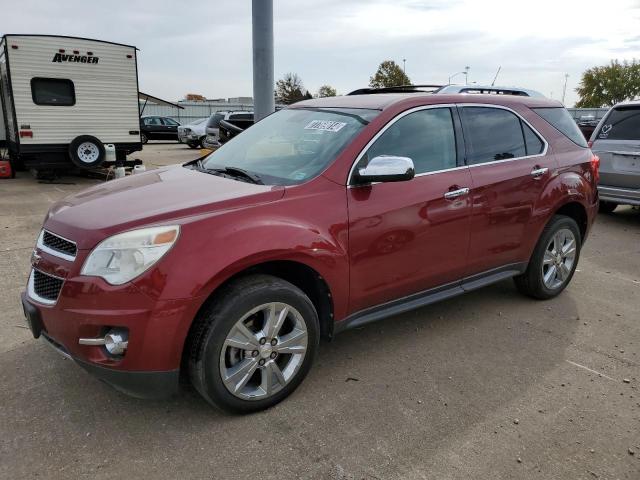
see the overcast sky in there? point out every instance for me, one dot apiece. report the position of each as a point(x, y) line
point(205, 46)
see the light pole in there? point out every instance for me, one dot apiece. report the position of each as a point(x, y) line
point(262, 16)
point(564, 89)
point(466, 75)
point(459, 73)
point(404, 66)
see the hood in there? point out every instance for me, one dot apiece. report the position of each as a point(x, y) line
point(156, 196)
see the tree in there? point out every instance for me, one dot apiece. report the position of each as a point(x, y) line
point(194, 97)
point(389, 74)
point(607, 85)
point(327, 91)
point(308, 96)
point(289, 89)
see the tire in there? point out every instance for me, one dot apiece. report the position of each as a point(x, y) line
point(193, 145)
point(143, 138)
point(539, 281)
point(86, 152)
point(606, 207)
point(212, 359)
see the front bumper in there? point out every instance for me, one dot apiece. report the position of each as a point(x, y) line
point(624, 196)
point(86, 309)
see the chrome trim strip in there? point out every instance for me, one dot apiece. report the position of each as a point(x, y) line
point(449, 105)
point(40, 244)
point(91, 341)
point(32, 293)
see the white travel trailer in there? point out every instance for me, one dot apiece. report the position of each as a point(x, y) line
point(65, 98)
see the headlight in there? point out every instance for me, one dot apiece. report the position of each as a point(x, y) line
point(123, 257)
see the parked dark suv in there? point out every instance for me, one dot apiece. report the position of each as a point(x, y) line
point(158, 128)
point(324, 216)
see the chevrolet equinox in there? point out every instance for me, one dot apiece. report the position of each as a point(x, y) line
point(327, 215)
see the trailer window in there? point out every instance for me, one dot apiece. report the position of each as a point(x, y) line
point(53, 91)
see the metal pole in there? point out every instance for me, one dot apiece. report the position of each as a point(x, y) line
point(404, 66)
point(564, 89)
point(263, 84)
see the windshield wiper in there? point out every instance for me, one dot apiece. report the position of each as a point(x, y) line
point(238, 172)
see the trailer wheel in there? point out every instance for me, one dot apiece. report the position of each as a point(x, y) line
point(86, 152)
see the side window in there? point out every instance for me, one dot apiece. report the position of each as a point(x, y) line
point(427, 137)
point(53, 91)
point(169, 121)
point(532, 142)
point(152, 121)
point(492, 134)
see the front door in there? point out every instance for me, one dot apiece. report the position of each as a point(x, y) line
point(407, 237)
point(510, 167)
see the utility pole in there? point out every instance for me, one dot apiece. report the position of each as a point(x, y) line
point(404, 66)
point(263, 83)
point(564, 89)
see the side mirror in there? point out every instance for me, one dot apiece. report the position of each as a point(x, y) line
point(385, 168)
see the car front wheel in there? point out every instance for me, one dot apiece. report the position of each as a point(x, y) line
point(254, 344)
point(554, 259)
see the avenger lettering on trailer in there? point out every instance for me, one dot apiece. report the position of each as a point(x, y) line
point(61, 57)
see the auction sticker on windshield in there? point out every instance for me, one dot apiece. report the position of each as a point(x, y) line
point(326, 125)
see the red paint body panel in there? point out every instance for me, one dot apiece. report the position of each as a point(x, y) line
point(370, 244)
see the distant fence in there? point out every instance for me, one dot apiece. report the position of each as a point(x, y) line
point(192, 110)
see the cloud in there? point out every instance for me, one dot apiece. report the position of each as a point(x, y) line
point(205, 47)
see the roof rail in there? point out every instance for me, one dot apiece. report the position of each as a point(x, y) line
point(397, 89)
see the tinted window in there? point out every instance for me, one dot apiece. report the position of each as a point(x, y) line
point(492, 134)
point(53, 91)
point(152, 121)
point(427, 137)
point(532, 141)
point(169, 121)
point(561, 119)
point(241, 116)
point(623, 123)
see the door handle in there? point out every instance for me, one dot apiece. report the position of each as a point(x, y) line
point(456, 193)
point(538, 172)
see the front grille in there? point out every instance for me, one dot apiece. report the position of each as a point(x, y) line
point(46, 286)
point(59, 244)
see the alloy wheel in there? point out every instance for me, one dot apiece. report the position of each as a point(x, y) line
point(559, 259)
point(263, 351)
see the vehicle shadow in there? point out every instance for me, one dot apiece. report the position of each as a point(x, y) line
point(404, 385)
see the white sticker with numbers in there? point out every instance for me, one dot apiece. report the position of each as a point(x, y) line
point(325, 125)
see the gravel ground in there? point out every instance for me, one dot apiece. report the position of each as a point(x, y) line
point(490, 385)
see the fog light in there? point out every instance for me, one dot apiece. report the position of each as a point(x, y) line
point(116, 341)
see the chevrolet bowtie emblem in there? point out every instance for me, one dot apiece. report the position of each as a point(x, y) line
point(35, 258)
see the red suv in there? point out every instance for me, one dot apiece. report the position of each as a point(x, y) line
point(327, 215)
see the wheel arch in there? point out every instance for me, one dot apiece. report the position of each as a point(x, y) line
point(577, 211)
point(306, 278)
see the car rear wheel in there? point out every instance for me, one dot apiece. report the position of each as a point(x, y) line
point(143, 138)
point(254, 344)
point(606, 207)
point(554, 259)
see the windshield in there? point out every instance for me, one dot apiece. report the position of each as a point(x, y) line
point(214, 120)
point(291, 146)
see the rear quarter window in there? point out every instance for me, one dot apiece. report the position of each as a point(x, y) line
point(622, 123)
point(561, 119)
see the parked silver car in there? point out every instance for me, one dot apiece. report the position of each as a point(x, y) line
point(192, 133)
point(616, 140)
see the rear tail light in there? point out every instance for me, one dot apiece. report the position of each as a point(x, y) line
point(26, 133)
point(595, 168)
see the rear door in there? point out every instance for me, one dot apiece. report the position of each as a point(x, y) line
point(509, 167)
point(617, 143)
point(154, 127)
point(407, 237)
